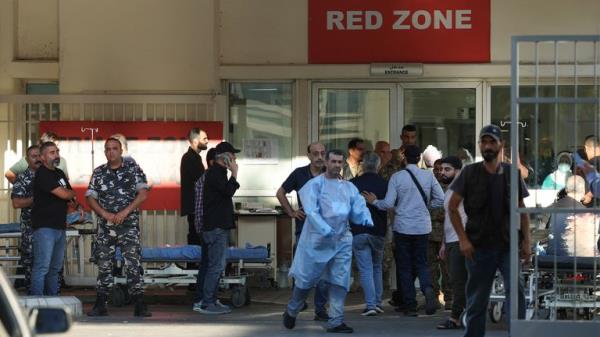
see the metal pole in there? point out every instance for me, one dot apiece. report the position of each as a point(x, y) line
point(92, 131)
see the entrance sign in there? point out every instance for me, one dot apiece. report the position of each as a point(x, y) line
point(421, 31)
point(396, 69)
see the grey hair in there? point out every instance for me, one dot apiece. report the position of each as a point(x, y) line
point(575, 186)
point(370, 162)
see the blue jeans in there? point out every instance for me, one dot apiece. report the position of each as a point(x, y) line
point(320, 298)
point(201, 274)
point(216, 242)
point(48, 252)
point(482, 269)
point(337, 297)
point(412, 255)
point(368, 250)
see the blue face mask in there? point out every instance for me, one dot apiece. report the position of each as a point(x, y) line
point(564, 167)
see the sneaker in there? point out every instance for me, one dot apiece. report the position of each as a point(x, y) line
point(342, 328)
point(213, 309)
point(321, 316)
point(379, 309)
point(431, 302)
point(224, 306)
point(369, 312)
point(288, 321)
point(197, 306)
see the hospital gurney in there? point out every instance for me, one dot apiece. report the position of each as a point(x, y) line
point(171, 270)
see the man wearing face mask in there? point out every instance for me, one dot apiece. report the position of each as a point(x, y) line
point(484, 240)
point(51, 192)
point(22, 197)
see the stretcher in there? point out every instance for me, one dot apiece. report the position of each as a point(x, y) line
point(170, 270)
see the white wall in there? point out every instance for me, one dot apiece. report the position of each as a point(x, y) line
point(137, 45)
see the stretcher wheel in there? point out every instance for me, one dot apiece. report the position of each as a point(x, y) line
point(239, 296)
point(117, 296)
point(495, 312)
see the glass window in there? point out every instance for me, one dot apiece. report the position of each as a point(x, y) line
point(444, 117)
point(348, 113)
point(260, 117)
point(560, 127)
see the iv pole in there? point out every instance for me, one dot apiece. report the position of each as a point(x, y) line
point(92, 130)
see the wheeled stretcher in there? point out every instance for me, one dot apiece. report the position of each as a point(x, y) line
point(171, 270)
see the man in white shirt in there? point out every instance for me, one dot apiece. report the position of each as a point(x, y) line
point(411, 193)
point(450, 250)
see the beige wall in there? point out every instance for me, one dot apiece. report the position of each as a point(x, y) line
point(37, 30)
point(137, 45)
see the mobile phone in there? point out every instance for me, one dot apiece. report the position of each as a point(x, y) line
point(227, 161)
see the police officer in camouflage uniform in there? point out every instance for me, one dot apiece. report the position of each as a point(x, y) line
point(439, 271)
point(22, 197)
point(116, 190)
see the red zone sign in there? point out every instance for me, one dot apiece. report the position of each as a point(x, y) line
point(421, 31)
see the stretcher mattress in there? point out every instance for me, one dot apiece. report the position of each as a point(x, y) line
point(10, 228)
point(568, 262)
point(192, 253)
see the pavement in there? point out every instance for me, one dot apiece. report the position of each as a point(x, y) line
point(172, 316)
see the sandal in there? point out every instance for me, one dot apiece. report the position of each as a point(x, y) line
point(448, 325)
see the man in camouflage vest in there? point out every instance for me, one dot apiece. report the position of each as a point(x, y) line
point(439, 272)
point(116, 190)
point(22, 197)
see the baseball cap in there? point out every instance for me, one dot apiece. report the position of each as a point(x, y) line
point(453, 161)
point(412, 151)
point(492, 131)
point(224, 147)
point(210, 155)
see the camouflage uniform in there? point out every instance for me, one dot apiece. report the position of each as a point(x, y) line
point(23, 188)
point(439, 271)
point(115, 190)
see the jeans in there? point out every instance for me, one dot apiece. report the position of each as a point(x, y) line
point(49, 252)
point(337, 297)
point(368, 251)
point(482, 269)
point(458, 277)
point(412, 256)
point(320, 298)
point(216, 242)
point(201, 274)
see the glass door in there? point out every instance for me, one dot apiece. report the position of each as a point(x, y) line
point(345, 111)
point(446, 115)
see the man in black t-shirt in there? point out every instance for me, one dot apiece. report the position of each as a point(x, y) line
point(51, 192)
point(485, 242)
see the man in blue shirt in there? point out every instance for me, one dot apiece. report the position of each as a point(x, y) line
point(295, 181)
point(368, 242)
point(411, 193)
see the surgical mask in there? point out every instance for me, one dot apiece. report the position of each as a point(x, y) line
point(564, 167)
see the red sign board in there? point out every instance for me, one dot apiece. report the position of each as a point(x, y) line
point(421, 31)
point(156, 146)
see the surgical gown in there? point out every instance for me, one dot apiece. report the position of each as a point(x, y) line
point(325, 245)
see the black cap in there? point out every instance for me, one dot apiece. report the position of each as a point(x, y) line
point(492, 131)
point(412, 151)
point(224, 147)
point(453, 161)
point(210, 155)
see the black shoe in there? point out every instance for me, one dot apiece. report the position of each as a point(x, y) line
point(321, 316)
point(99, 308)
point(411, 313)
point(304, 307)
point(431, 302)
point(342, 328)
point(288, 321)
point(369, 312)
point(140, 309)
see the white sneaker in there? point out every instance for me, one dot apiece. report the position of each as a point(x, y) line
point(197, 306)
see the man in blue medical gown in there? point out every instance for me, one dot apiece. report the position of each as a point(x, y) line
point(325, 246)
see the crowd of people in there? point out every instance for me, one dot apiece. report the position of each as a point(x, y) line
point(449, 222)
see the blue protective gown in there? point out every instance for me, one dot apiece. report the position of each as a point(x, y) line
point(325, 245)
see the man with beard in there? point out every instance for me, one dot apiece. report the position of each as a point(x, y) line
point(22, 197)
point(51, 193)
point(450, 251)
point(191, 169)
point(484, 240)
point(297, 179)
point(325, 245)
